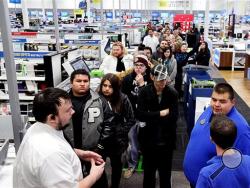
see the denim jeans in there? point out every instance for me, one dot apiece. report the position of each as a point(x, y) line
point(133, 141)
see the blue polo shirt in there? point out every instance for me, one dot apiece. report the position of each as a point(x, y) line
point(227, 178)
point(200, 149)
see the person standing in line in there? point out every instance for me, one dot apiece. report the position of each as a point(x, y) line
point(223, 133)
point(200, 149)
point(158, 108)
point(110, 89)
point(91, 125)
point(203, 54)
point(170, 62)
point(148, 52)
point(181, 57)
point(151, 40)
point(118, 61)
point(131, 86)
point(159, 51)
point(45, 159)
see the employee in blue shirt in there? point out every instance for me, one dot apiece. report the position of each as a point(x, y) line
point(200, 149)
point(223, 133)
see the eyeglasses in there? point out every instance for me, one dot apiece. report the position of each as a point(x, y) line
point(139, 65)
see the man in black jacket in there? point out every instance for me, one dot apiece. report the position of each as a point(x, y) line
point(158, 108)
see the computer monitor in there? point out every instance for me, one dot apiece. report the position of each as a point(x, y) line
point(75, 64)
point(200, 15)
point(64, 14)
point(109, 15)
point(98, 18)
point(33, 13)
point(248, 46)
point(114, 38)
point(164, 14)
point(40, 13)
point(49, 14)
point(240, 46)
point(155, 14)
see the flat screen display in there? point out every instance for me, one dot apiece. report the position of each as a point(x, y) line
point(64, 14)
point(33, 13)
point(98, 18)
point(164, 15)
point(240, 46)
point(49, 14)
point(200, 15)
point(40, 13)
point(79, 64)
point(156, 14)
point(109, 15)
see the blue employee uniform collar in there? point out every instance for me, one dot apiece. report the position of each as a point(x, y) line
point(215, 159)
point(210, 114)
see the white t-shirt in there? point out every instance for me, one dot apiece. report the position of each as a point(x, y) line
point(151, 42)
point(45, 159)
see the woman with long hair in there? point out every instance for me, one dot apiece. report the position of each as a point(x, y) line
point(170, 62)
point(110, 89)
point(203, 55)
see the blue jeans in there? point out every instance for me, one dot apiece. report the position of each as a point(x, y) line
point(133, 152)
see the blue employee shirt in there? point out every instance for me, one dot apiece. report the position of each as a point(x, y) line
point(200, 149)
point(228, 178)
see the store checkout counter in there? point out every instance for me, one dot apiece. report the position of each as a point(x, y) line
point(231, 56)
point(247, 65)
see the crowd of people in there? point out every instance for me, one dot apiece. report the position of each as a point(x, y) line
point(134, 111)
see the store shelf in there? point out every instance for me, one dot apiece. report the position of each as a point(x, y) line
point(22, 97)
point(25, 78)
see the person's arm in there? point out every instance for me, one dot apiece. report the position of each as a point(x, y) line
point(203, 182)
point(174, 110)
point(94, 174)
point(243, 142)
point(174, 72)
point(128, 114)
point(106, 128)
point(143, 109)
point(123, 74)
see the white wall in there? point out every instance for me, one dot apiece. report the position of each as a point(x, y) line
point(240, 6)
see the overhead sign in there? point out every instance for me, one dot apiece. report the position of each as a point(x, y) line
point(85, 42)
point(173, 3)
point(83, 4)
point(17, 40)
point(163, 3)
point(96, 2)
point(24, 33)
